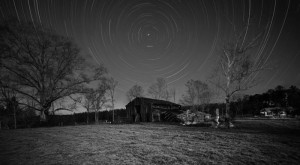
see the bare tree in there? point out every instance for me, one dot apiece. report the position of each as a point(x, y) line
point(112, 84)
point(237, 70)
point(86, 100)
point(8, 98)
point(167, 94)
point(237, 98)
point(100, 99)
point(190, 96)
point(135, 91)
point(172, 92)
point(43, 65)
point(159, 90)
point(197, 93)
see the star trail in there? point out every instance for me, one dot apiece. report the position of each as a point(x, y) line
point(140, 40)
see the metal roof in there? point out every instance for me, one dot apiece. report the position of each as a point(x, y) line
point(153, 101)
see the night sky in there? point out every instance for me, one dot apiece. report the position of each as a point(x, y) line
point(141, 40)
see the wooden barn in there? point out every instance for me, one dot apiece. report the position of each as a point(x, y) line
point(143, 109)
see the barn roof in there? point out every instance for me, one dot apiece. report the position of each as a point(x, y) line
point(153, 101)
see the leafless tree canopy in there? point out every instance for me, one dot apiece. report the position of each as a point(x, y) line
point(101, 98)
point(135, 91)
point(112, 84)
point(197, 93)
point(41, 65)
point(237, 70)
point(172, 92)
point(85, 99)
point(159, 90)
point(96, 98)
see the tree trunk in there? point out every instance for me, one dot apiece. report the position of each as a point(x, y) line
point(44, 114)
point(96, 117)
point(113, 115)
point(15, 117)
point(227, 106)
point(227, 116)
point(113, 109)
point(14, 106)
point(242, 111)
point(87, 117)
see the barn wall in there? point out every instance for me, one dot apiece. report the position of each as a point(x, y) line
point(145, 109)
point(130, 111)
point(142, 112)
point(150, 112)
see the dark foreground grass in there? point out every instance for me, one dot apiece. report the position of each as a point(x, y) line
point(250, 142)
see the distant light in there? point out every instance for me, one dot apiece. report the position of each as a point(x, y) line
point(149, 46)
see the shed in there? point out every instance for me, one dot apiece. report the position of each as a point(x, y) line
point(143, 109)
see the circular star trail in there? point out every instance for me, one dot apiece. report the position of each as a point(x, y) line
point(148, 39)
point(141, 40)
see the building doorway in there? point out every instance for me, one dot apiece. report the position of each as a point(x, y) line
point(138, 116)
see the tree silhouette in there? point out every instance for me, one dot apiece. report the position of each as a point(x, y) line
point(112, 84)
point(237, 70)
point(135, 91)
point(159, 89)
point(172, 92)
point(86, 100)
point(197, 94)
point(41, 65)
point(100, 98)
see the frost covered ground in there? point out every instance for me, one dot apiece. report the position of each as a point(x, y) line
point(251, 141)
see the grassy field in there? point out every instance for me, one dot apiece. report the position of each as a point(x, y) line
point(250, 142)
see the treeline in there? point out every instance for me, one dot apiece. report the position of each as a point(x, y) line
point(14, 117)
point(120, 116)
point(278, 97)
point(44, 71)
point(250, 105)
point(28, 119)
